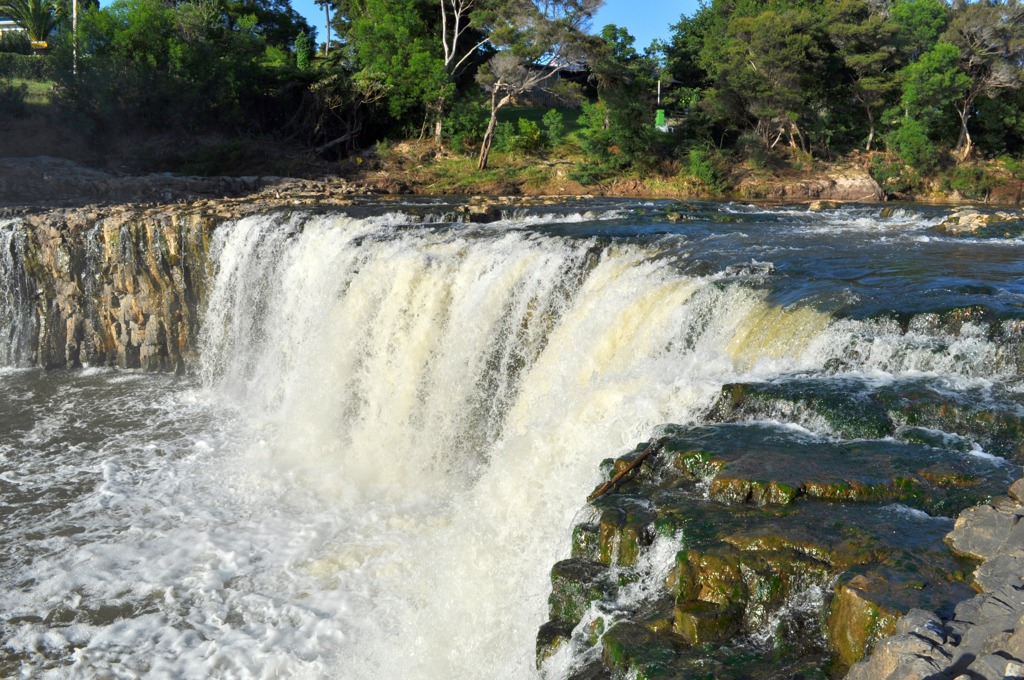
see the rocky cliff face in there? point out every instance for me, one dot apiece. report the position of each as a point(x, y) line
point(118, 288)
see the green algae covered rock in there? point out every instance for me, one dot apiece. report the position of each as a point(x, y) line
point(790, 551)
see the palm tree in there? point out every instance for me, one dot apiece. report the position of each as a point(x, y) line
point(37, 17)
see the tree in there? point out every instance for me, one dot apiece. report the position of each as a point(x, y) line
point(38, 17)
point(620, 132)
point(866, 42)
point(771, 66)
point(537, 42)
point(920, 22)
point(392, 43)
point(464, 38)
point(989, 35)
point(933, 83)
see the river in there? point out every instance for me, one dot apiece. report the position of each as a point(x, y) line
point(396, 420)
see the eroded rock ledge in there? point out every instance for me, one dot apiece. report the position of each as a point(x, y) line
point(795, 555)
point(985, 637)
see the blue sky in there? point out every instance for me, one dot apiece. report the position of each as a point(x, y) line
point(644, 19)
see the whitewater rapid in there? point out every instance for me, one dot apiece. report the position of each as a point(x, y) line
point(392, 431)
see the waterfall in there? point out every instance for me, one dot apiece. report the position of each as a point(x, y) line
point(455, 387)
point(17, 322)
point(384, 428)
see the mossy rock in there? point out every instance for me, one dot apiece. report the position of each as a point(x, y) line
point(551, 636)
point(630, 649)
point(625, 526)
point(575, 583)
point(702, 623)
point(848, 412)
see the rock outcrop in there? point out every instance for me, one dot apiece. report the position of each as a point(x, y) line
point(984, 639)
point(119, 287)
point(841, 184)
point(968, 221)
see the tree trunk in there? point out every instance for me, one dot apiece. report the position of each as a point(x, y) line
point(871, 129)
point(485, 147)
point(964, 145)
point(439, 123)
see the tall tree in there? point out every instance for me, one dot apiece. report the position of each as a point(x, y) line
point(990, 37)
point(392, 42)
point(771, 64)
point(537, 40)
point(620, 132)
point(867, 43)
point(39, 18)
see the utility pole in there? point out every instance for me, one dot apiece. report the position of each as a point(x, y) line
point(74, 37)
point(327, 13)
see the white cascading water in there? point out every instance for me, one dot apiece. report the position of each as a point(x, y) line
point(448, 394)
point(396, 430)
point(15, 299)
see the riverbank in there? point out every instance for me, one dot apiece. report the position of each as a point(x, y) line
point(419, 169)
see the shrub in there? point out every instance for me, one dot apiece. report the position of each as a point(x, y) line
point(554, 127)
point(12, 99)
point(303, 50)
point(973, 182)
point(465, 125)
point(894, 177)
point(525, 137)
point(15, 42)
point(913, 145)
point(708, 166)
point(26, 66)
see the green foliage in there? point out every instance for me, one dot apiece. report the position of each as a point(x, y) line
point(145, 63)
point(933, 83)
point(529, 138)
point(599, 163)
point(525, 137)
point(618, 133)
point(894, 177)
point(920, 22)
point(708, 166)
point(12, 99)
point(38, 17)
point(554, 127)
point(910, 140)
point(392, 44)
point(465, 124)
point(973, 181)
point(303, 51)
point(26, 66)
point(15, 42)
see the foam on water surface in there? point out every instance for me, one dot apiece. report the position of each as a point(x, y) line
point(394, 428)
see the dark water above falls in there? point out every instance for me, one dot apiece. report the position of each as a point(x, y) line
point(397, 419)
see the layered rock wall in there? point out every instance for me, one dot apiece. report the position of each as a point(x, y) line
point(119, 288)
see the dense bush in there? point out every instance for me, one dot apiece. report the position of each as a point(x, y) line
point(973, 182)
point(12, 99)
point(910, 140)
point(709, 167)
point(15, 42)
point(26, 66)
point(465, 125)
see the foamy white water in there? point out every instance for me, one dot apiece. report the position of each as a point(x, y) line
point(394, 430)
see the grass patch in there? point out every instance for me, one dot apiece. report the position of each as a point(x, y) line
point(535, 114)
point(39, 91)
